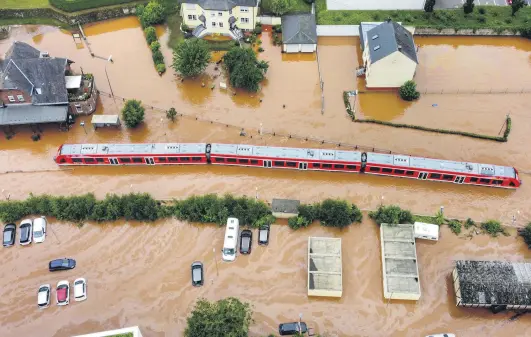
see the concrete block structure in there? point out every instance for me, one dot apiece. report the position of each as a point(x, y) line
point(325, 270)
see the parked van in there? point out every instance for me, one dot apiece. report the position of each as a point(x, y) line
point(231, 240)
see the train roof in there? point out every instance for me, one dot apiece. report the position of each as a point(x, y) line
point(133, 149)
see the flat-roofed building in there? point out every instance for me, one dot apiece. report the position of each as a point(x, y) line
point(132, 331)
point(285, 208)
point(325, 271)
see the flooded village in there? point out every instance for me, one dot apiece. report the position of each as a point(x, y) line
point(139, 272)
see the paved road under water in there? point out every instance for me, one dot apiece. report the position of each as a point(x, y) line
point(153, 260)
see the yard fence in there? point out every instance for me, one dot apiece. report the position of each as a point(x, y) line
point(269, 20)
point(491, 91)
point(338, 30)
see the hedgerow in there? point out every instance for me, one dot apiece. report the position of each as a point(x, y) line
point(330, 213)
point(79, 5)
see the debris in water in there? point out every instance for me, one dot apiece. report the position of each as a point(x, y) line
point(203, 84)
point(242, 133)
point(434, 105)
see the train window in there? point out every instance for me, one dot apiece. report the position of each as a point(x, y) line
point(231, 160)
point(76, 160)
point(374, 169)
point(99, 160)
point(125, 160)
point(410, 173)
point(435, 176)
point(196, 158)
point(484, 181)
point(278, 163)
point(254, 161)
point(162, 159)
point(338, 166)
point(291, 164)
point(137, 160)
point(497, 182)
point(351, 167)
point(448, 177)
point(473, 180)
point(185, 158)
point(90, 160)
point(243, 161)
point(399, 171)
point(173, 159)
point(387, 170)
point(316, 165)
point(327, 165)
point(219, 160)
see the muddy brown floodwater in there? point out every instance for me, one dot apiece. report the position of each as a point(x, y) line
point(139, 274)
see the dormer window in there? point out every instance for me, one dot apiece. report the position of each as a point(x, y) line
point(11, 99)
point(377, 47)
point(20, 98)
point(375, 37)
point(39, 91)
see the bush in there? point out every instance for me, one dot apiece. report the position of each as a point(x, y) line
point(408, 91)
point(133, 113)
point(298, 222)
point(79, 5)
point(257, 30)
point(482, 11)
point(391, 215)
point(482, 19)
point(492, 227)
point(469, 223)
point(526, 234)
point(455, 226)
point(157, 57)
point(280, 7)
point(338, 213)
point(161, 68)
point(155, 46)
point(152, 14)
point(151, 35)
point(468, 6)
point(171, 114)
point(260, 50)
point(277, 28)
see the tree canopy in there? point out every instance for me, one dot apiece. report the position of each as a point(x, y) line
point(468, 6)
point(280, 7)
point(151, 14)
point(408, 91)
point(226, 317)
point(133, 113)
point(516, 5)
point(245, 71)
point(191, 57)
point(391, 215)
point(428, 6)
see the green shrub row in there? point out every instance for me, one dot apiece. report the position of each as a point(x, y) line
point(526, 234)
point(79, 5)
point(504, 138)
point(147, 19)
point(391, 214)
point(330, 213)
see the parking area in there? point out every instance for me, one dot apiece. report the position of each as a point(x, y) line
point(442, 4)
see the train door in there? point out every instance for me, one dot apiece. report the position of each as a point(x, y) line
point(303, 166)
point(150, 161)
point(459, 179)
point(113, 161)
point(423, 175)
point(267, 163)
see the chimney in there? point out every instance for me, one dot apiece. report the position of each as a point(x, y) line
point(44, 54)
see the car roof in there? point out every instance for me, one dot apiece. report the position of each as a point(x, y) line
point(10, 226)
point(38, 223)
point(42, 297)
point(78, 288)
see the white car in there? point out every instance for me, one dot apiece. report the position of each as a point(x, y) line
point(63, 293)
point(43, 296)
point(26, 232)
point(80, 289)
point(39, 229)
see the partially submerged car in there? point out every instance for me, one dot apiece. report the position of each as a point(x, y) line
point(26, 232)
point(43, 296)
point(62, 264)
point(246, 241)
point(197, 274)
point(263, 235)
point(63, 293)
point(293, 328)
point(39, 229)
point(10, 232)
point(80, 289)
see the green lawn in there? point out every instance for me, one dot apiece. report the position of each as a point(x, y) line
point(493, 17)
point(299, 6)
point(24, 4)
point(176, 36)
point(33, 21)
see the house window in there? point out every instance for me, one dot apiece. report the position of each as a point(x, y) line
point(375, 37)
point(244, 20)
point(11, 98)
point(212, 14)
point(244, 9)
point(192, 17)
point(20, 98)
point(221, 25)
point(377, 47)
point(220, 13)
point(213, 24)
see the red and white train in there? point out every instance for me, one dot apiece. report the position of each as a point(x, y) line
point(289, 158)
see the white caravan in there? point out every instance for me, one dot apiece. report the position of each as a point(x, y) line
point(231, 240)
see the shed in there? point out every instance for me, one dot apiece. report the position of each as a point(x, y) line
point(389, 55)
point(99, 121)
point(73, 82)
point(285, 208)
point(325, 270)
point(426, 231)
point(299, 33)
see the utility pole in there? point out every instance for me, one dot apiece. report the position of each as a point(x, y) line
point(215, 259)
point(106, 74)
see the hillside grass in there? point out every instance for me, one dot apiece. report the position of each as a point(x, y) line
point(299, 6)
point(18, 4)
point(33, 21)
point(79, 5)
point(495, 17)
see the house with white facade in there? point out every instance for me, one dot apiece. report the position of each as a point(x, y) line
point(299, 33)
point(374, 4)
point(389, 55)
point(220, 17)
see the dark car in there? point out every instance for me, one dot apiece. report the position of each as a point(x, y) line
point(26, 232)
point(10, 231)
point(197, 274)
point(289, 329)
point(246, 241)
point(62, 264)
point(263, 235)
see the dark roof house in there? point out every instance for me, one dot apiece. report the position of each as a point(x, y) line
point(222, 5)
point(32, 87)
point(299, 29)
point(389, 37)
point(285, 208)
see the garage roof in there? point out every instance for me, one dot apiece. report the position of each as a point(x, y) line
point(299, 29)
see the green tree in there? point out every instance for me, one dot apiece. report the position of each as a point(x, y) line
point(245, 71)
point(526, 234)
point(468, 6)
point(151, 35)
point(408, 91)
point(155, 46)
point(226, 317)
point(152, 14)
point(280, 7)
point(516, 5)
point(171, 114)
point(428, 6)
point(338, 213)
point(191, 57)
point(391, 215)
point(133, 113)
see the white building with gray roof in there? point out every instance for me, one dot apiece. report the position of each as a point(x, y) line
point(389, 55)
point(299, 33)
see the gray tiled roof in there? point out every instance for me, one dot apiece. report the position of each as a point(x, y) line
point(285, 206)
point(221, 5)
point(299, 29)
point(21, 50)
point(17, 114)
point(388, 38)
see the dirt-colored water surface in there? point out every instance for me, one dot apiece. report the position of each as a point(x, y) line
point(139, 274)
